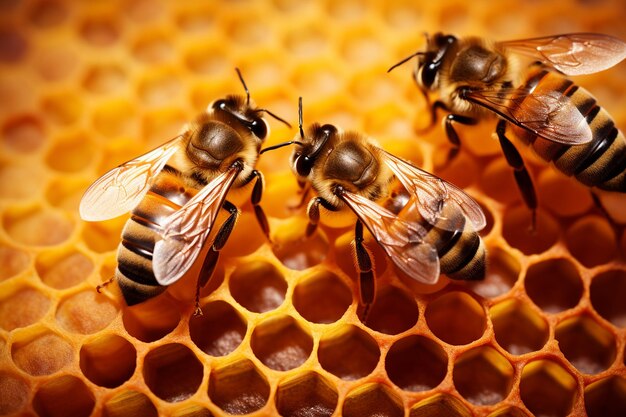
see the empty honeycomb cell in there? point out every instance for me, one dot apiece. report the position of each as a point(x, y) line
point(362, 47)
point(247, 28)
point(13, 261)
point(307, 41)
point(195, 19)
point(348, 352)
point(43, 354)
point(456, 318)
point(563, 196)
point(416, 363)
point(129, 403)
point(517, 230)
point(440, 405)
point(322, 297)
point(372, 400)
point(64, 193)
point(97, 355)
point(586, 344)
point(13, 45)
point(106, 78)
point(192, 410)
point(85, 312)
point(15, 393)
point(554, 285)
point(483, 376)
point(503, 271)
point(51, 398)
point(546, 388)
point(63, 107)
point(518, 328)
point(247, 236)
point(20, 181)
point(71, 153)
point(153, 47)
point(238, 388)
point(45, 14)
point(296, 251)
point(207, 58)
point(498, 182)
point(307, 394)
point(23, 133)
point(104, 236)
point(346, 10)
point(606, 397)
point(115, 117)
point(159, 88)
point(592, 241)
point(220, 329)
point(57, 61)
point(393, 311)
point(172, 372)
point(281, 343)
point(608, 292)
point(258, 286)
point(22, 308)
point(100, 30)
point(152, 319)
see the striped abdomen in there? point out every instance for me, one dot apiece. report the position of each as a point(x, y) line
point(601, 162)
point(134, 272)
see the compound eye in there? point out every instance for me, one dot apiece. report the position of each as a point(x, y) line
point(303, 165)
point(220, 105)
point(429, 72)
point(258, 128)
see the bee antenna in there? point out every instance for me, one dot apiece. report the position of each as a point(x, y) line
point(280, 145)
point(300, 117)
point(280, 119)
point(405, 60)
point(245, 87)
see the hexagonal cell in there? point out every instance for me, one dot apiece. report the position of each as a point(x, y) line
point(115, 117)
point(293, 249)
point(348, 352)
point(416, 363)
point(498, 182)
point(372, 400)
point(483, 376)
point(63, 270)
point(207, 58)
point(71, 153)
point(151, 320)
point(13, 262)
point(238, 388)
point(85, 312)
point(63, 108)
point(13, 45)
point(153, 47)
point(502, 273)
point(322, 297)
point(563, 196)
point(554, 285)
point(393, 311)
point(37, 226)
point(516, 229)
point(606, 397)
point(103, 236)
point(546, 388)
point(47, 14)
point(281, 343)
point(258, 286)
point(440, 405)
point(517, 327)
point(15, 392)
point(592, 241)
point(608, 292)
point(196, 18)
point(456, 318)
point(159, 88)
point(22, 308)
point(42, 354)
point(65, 193)
point(12, 177)
point(97, 355)
point(172, 372)
point(23, 133)
point(104, 79)
point(57, 61)
point(51, 398)
point(588, 346)
point(100, 30)
point(129, 404)
point(307, 394)
point(220, 329)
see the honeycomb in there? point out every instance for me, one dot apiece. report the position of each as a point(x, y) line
point(88, 85)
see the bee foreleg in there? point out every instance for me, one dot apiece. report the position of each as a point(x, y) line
point(313, 211)
point(522, 177)
point(451, 133)
point(363, 261)
point(433, 111)
point(104, 284)
point(257, 193)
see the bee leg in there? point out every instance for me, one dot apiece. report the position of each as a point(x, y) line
point(304, 190)
point(433, 111)
point(257, 193)
point(210, 261)
point(453, 136)
point(522, 177)
point(367, 284)
point(313, 211)
point(104, 284)
point(598, 203)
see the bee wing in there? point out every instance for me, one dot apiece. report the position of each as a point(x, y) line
point(401, 240)
point(185, 231)
point(550, 114)
point(573, 53)
point(433, 193)
point(122, 188)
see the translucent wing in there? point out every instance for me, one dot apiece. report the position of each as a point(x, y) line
point(401, 240)
point(122, 188)
point(573, 53)
point(549, 114)
point(186, 230)
point(433, 193)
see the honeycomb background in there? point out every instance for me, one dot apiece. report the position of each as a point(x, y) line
point(85, 86)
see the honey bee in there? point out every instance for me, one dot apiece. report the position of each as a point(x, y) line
point(175, 193)
point(424, 224)
point(474, 77)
